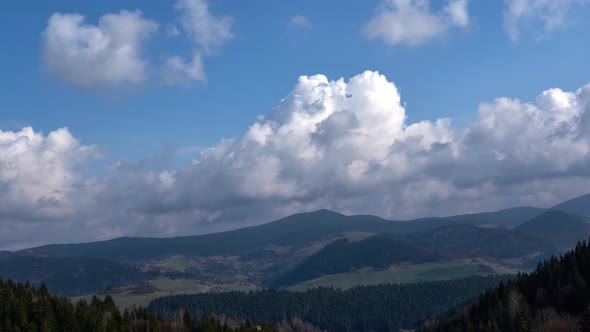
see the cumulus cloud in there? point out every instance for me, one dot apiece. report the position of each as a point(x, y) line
point(347, 145)
point(550, 14)
point(208, 33)
point(102, 55)
point(38, 173)
point(301, 21)
point(339, 144)
point(412, 22)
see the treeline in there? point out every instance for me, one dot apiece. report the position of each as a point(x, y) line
point(24, 308)
point(362, 308)
point(554, 297)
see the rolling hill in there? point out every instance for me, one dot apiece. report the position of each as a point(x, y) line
point(445, 244)
point(579, 205)
point(293, 231)
point(507, 217)
point(563, 228)
point(255, 255)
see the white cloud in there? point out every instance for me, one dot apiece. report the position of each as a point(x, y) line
point(208, 31)
point(177, 71)
point(301, 21)
point(346, 145)
point(412, 22)
point(37, 172)
point(550, 14)
point(339, 144)
point(102, 55)
point(458, 13)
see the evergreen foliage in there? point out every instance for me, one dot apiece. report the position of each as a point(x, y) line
point(24, 308)
point(361, 308)
point(554, 297)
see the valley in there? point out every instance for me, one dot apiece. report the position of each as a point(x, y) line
point(303, 251)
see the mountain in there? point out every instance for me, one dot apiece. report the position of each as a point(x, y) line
point(296, 230)
point(563, 228)
point(269, 251)
point(507, 217)
point(554, 297)
point(579, 205)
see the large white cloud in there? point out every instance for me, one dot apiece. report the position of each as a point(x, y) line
point(102, 55)
point(412, 22)
point(347, 145)
point(550, 14)
point(38, 173)
point(344, 145)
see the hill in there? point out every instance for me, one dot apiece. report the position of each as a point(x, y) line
point(72, 276)
point(342, 256)
point(507, 217)
point(253, 256)
point(558, 226)
point(579, 205)
point(445, 244)
point(554, 297)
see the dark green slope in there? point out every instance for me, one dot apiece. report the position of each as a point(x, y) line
point(579, 205)
point(442, 244)
point(464, 241)
point(71, 276)
point(554, 297)
point(562, 228)
point(341, 256)
point(507, 217)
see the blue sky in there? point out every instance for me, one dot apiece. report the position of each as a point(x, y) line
point(449, 76)
point(444, 64)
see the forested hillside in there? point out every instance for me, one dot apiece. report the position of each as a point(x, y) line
point(341, 256)
point(442, 244)
point(362, 308)
point(562, 228)
point(554, 297)
point(71, 276)
point(24, 308)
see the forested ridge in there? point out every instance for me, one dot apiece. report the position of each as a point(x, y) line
point(25, 308)
point(387, 307)
point(554, 297)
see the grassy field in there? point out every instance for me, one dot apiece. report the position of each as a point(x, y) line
point(176, 263)
point(166, 287)
point(406, 274)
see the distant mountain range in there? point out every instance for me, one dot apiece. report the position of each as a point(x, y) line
point(308, 245)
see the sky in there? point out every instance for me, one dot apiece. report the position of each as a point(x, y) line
point(167, 118)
